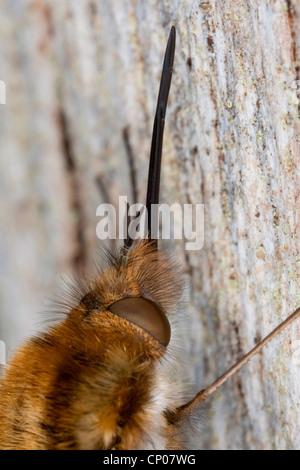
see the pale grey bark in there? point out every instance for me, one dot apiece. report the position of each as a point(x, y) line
point(82, 79)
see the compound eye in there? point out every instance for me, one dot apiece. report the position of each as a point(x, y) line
point(145, 314)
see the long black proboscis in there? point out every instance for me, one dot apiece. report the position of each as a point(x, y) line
point(158, 128)
point(157, 136)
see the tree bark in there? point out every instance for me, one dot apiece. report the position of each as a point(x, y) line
point(81, 80)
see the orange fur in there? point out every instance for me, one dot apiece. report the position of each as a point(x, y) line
point(92, 381)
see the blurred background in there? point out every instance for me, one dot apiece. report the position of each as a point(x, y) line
point(81, 85)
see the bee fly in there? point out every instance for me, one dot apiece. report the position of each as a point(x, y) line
point(102, 377)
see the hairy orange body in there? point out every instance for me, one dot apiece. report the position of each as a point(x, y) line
point(97, 381)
